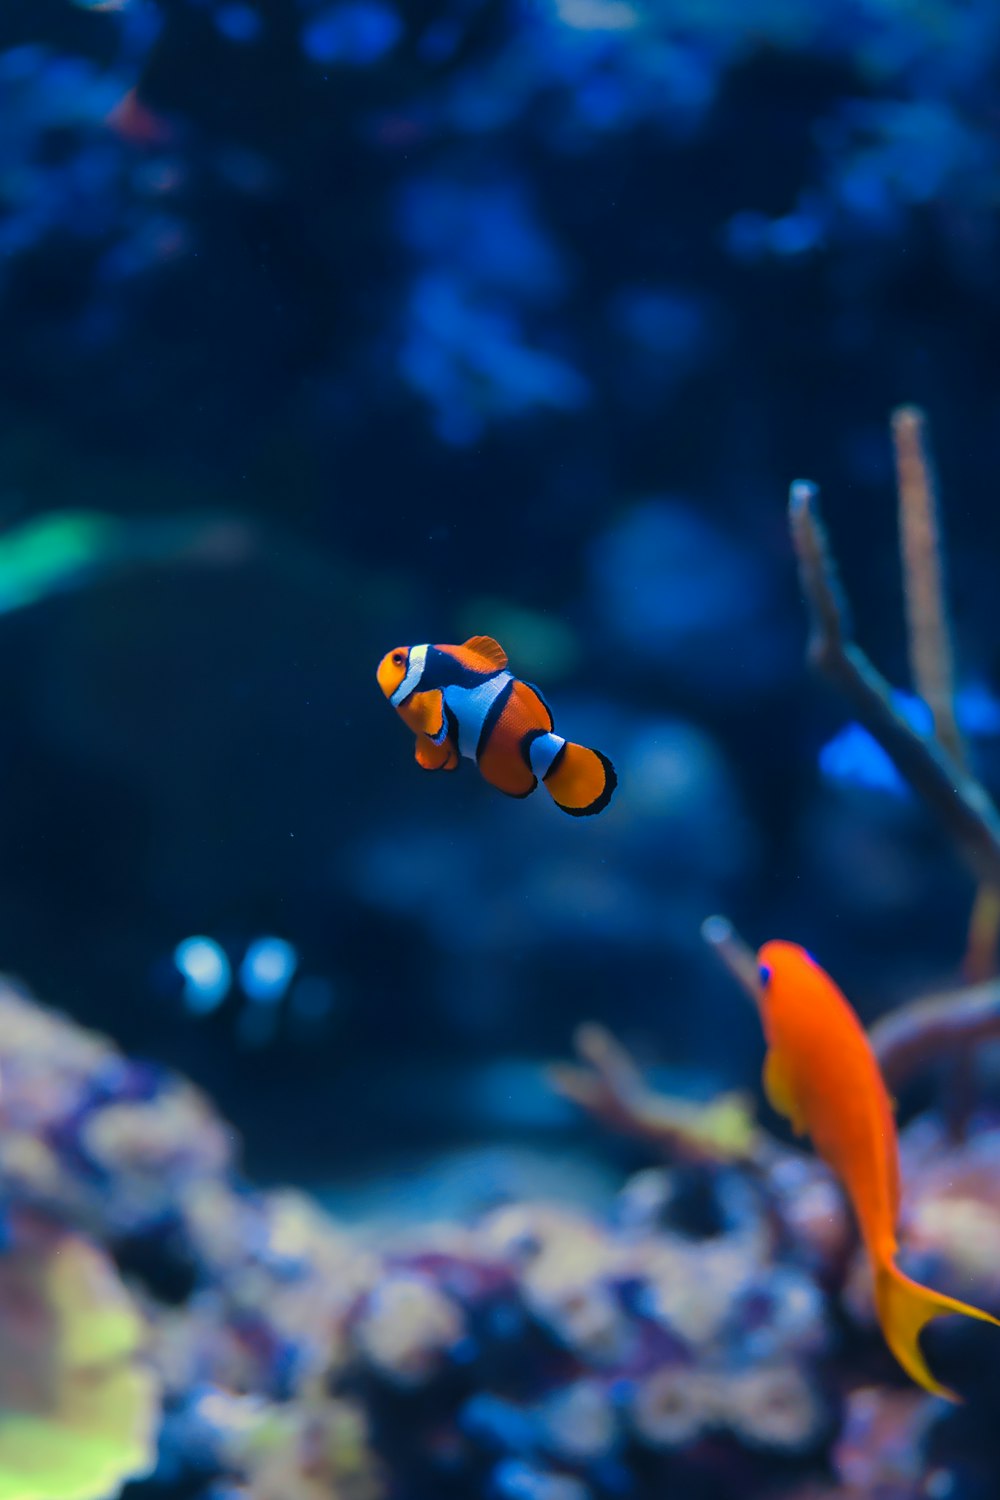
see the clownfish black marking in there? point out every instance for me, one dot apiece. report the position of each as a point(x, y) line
point(462, 701)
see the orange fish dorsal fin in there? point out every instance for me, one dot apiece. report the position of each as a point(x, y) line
point(490, 650)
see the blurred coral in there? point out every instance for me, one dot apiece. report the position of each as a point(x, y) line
point(86, 1132)
point(305, 1450)
point(671, 1407)
point(80, 1407)
point(774, 1406)
point(879, 1451)
point(611, 1089)
point(539, 1349)
point(405, 1328)
point(952, 1220)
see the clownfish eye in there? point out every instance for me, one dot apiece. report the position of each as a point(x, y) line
point(398, 658)
point(765, 975)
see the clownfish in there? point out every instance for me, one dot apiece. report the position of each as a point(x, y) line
point(821, 1074)
point(461, 700)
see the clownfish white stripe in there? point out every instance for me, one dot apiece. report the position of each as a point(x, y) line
point(542, 752)
point(470, 707)
point(414, 671)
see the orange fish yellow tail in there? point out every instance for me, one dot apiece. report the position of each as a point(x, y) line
point(904, 1310)
point(581, 781)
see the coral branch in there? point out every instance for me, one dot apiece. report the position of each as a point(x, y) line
point(737, 956)
point(818, 573)
point(611, 1089)
point(926, 1030)
point(980, 961)
point(959, 800)
point(929, 632)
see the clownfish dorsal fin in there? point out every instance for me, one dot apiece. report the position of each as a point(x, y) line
point(490, 650)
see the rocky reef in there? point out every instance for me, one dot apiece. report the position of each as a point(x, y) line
point(711, 1332)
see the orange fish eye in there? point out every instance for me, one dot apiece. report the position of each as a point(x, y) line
point(398, 658)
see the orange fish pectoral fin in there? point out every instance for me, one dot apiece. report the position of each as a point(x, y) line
point(490, 650)
point(435, 757)
point(780, 1091)
point(424, 712)
point(904, 1310)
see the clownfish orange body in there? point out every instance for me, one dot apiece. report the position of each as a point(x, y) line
point(462, 701)
point(821, 1073)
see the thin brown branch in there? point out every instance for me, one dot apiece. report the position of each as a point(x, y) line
point(914, 1035)
point(611, 1089)
point(928, 627)
point(818, 573)
point(980, 962)
point(736, 955)
point(930, 642)
point(959, 801)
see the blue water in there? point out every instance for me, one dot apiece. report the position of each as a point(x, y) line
point(332, 327)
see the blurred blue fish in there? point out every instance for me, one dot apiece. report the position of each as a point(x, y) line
point(263, 990)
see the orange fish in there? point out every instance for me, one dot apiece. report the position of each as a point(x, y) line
point(461, 700)
point(821, 1073)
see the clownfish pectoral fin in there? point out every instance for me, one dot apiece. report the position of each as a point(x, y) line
point(491, 652)
point(779, 1091)
point(580, 781)
point(424, 712)
point(904, 1309)
point(436, 757)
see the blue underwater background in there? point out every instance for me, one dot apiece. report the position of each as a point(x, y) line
point(328, 327)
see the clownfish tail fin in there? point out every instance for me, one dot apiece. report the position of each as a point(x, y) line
point(580, 781)
point(904, 1310)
